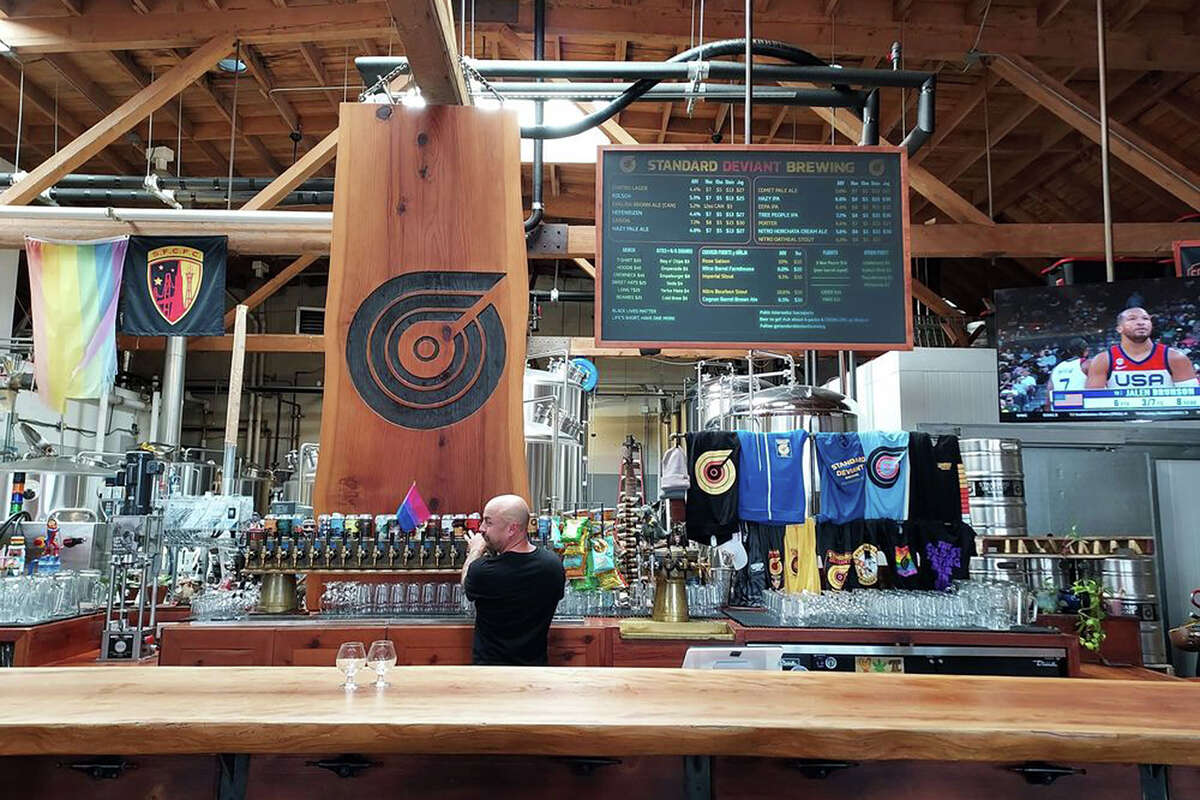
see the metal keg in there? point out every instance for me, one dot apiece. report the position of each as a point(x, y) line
point(1131, 588)
point(996, 485)
point(1000, 568)
point(1045, 572)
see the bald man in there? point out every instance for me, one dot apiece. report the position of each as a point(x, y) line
point(515, 586)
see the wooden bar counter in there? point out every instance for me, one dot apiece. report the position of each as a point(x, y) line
point(584, 732)
point(580, 711)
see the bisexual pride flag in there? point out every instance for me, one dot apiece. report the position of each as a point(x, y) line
point(412, 512)
point(74, 291)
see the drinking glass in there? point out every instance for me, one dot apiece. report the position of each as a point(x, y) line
point(427, 598)
point(413, 606)
point(443, 598)
point(397, 603)
point(380, 608)
point(381, 658)
point(351, 657)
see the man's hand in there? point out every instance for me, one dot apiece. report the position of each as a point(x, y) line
point(476, 545)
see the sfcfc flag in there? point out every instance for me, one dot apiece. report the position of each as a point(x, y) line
point(174, 286)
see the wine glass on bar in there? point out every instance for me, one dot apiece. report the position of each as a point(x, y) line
point(381, 658)
point(351, 657)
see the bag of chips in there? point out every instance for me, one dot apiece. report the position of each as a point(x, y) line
point(575, 532)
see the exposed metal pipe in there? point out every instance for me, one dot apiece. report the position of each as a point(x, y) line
point(1102, 65)
point(111, 197)
point(676, 91)
point(678, 68)
point(537, 211)
point(174, 364)
point(218, 184)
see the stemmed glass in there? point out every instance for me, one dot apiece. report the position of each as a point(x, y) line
point(381, 658)
point(351, 657)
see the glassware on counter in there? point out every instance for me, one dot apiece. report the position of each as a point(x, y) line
point(217, 604)
point(381, 658)
point(31, 599)
point(358, 599)
point(351, 657)
point(966, 605)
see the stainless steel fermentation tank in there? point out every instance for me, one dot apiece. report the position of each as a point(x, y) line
point(556, 424)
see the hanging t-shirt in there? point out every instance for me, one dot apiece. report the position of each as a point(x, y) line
point(712, 498)
point(764, 568)
point(953, 494)
point(800, 573)
point(771, 477)
point(905, 557)
point(887, 474)
point(945, 551)
point(841, 460)
point(937, 483)
point(854, 554)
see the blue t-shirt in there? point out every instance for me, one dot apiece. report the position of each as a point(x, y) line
point(771, 477)
point(840, 457)
point(887, 473)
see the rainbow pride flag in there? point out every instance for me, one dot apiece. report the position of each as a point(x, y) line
point(74, 288)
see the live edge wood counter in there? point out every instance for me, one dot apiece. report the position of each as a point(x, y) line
point(569, 711)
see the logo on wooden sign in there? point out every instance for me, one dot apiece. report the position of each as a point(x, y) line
point(426, 349)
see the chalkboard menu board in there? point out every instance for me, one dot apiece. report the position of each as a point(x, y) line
point(740, 247)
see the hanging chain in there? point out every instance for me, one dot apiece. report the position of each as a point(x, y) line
point(470, 73)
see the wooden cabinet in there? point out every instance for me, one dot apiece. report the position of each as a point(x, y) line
point(317, 646)
point(584, 646)
point(468, 777)
point(432, 645)
point(771, 779)
point(188, 646)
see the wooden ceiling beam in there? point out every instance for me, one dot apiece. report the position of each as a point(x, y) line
point(963, 109)
point(995, 134)
point(1165, 49)
point(520, 49)
point(1126, 14)
point(255, 343)
point(277, 282)
point(776, 123)
point(109, 30)
point(1080, 114)
point(35, 96)
point(306, 166)
point(1184, 107)
point(121, 120)
point(920, 179)
point(316, 64)
point(1047, 10)
point(426, 29)
point(205, 85)
point(257, 67)
point(73, 7)
point(172, 110)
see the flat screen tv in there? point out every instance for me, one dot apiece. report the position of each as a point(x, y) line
point(1099, 351)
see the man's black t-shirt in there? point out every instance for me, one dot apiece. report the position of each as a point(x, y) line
point(515, 595)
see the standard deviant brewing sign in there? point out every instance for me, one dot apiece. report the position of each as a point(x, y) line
point(739, 247)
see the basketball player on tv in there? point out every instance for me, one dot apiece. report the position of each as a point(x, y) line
point(1139, 362)
point(1071, 374)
